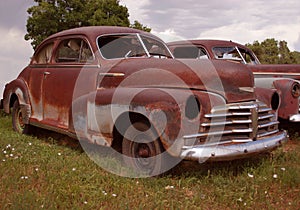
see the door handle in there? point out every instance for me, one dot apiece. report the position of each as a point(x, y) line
point(46, 73)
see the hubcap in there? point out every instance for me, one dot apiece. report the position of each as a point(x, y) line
point(20, 120)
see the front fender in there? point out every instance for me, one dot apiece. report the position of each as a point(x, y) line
point(289, 104)
point(165, 109)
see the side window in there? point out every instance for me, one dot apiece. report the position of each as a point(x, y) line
point(74, 51)
point(192, 52)
point(44, 55)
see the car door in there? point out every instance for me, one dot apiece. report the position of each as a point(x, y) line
point(38, 69)
point(71, 56)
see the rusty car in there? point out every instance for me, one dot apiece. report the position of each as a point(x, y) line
point(122, 88)
point(283, 77)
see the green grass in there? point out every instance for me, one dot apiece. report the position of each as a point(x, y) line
point(49, 171)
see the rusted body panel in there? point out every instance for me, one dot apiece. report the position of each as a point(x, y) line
point(291, 71)
point(284, 77)
point(73, 86)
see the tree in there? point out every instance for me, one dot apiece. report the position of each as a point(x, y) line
point(139, 26)
point(51, 16)
point(295, 57)
point(271, 51)
point(285, 56)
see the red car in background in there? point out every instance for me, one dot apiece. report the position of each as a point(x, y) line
point(284, 77)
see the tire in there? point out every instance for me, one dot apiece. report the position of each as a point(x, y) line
point(142, 150)
point(17, 119)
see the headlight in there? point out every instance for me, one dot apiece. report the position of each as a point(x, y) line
point(192, 107)
point(296, 90)
point(275, 101)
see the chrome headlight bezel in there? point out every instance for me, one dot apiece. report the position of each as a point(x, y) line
point(295, 90)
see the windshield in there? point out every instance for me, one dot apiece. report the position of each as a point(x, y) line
point(235, 54)
point(132, 45)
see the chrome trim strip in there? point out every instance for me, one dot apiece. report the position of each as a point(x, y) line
point(112, 74)
point(276, 73)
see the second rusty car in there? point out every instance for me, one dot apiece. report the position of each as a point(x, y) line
point(284, 78)
point(121, 88)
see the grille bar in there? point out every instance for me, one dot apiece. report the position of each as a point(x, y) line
point(265, 125)
point(263, 117)
point(235, 123)
point(218, 133)
point(225, 123)
point(230, 114)
point(267, 133)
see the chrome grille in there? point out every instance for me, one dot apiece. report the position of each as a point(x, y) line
point(235, 123)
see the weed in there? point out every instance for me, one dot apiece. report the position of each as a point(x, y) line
point(50, 171)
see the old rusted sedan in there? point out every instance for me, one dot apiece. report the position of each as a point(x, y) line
point(121, 88)
point(284, 78)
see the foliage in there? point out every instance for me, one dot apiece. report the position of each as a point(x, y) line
point(139, 26)
point(272, 51)
point(47, 171)
point(51, 16)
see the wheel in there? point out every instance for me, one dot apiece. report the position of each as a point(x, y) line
point(17, 119)
point(142, 150)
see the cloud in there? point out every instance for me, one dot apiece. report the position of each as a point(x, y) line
point(297, 43)
point(168, 35)
point(15, 51)
point(244, 21)
point(14, 55)
point(136, 10)
point(14, 13)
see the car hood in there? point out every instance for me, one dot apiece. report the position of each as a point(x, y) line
point(233, 81)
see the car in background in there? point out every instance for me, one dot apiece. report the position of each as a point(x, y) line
point(284, 78)
point(121, 88)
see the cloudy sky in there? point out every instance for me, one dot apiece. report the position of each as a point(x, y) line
point(240, 21)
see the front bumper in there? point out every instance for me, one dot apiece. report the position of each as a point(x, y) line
point(204, 153)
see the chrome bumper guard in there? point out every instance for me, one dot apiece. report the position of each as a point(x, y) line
point(221, 152)
point(295, 118)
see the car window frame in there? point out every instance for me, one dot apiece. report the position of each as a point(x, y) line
point(139, 35)
point(60, 40)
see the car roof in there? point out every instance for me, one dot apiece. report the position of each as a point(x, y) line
point(95, 31)
point(207, 42)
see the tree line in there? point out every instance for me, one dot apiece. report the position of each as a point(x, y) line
point(47, 17)
point(271, 51)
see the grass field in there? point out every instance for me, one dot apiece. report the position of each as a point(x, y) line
point(48, 171)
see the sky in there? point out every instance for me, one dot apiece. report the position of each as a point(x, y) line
point(239, 21)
